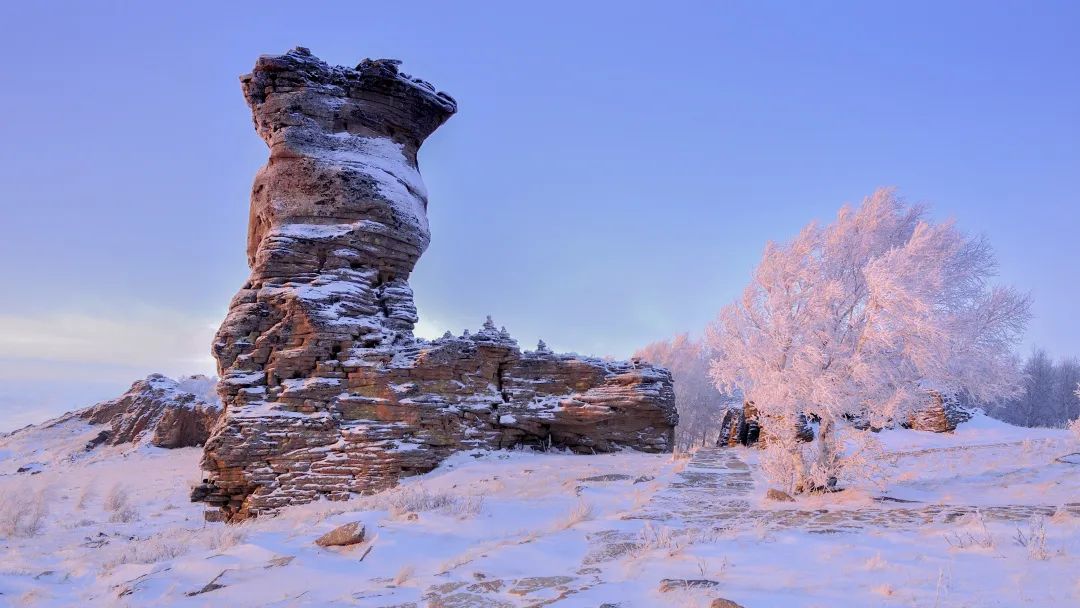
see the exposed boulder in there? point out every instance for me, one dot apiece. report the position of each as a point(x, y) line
point(158, 410)
point(327, 392)
point(343, 535)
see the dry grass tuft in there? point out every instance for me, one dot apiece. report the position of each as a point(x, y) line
point(582, 511)
point(403, 575)
point(23, 513)
point(875, 563)
point(973, 535)
point(1034, 539)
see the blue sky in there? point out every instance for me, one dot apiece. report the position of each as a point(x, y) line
point(611, 178)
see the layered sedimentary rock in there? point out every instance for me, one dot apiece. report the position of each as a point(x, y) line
point(736, 428)
point(327, 392)
point(158, 410)
point(744, 425)
point(941, 414)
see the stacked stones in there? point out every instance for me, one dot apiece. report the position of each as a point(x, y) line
point(327, 392)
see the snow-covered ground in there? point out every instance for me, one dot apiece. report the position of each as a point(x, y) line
point(113, 527)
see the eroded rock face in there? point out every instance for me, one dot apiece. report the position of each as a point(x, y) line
point(327, 392)
point(161, 411)
point(941, 414)
point(745, 425)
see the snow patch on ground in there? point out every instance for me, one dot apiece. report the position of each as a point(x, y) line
point(518, 528)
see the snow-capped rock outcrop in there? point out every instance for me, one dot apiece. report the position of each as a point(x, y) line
point(326, 390)
point(158, 410)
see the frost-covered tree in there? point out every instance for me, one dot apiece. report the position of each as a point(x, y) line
point(697, 399)
point(865, 317)
point(1066, 401)
point(1038, 385)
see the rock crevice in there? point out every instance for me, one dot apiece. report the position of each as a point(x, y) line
point(327, 392)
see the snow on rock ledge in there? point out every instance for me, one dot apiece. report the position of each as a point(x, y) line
point(326, 391)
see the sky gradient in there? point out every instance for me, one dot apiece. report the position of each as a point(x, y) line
point(611, 178)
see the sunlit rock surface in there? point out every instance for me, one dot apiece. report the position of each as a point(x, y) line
point(327, 392)
point(158, 410)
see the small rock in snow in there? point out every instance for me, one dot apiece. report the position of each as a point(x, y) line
point(679, 584)
point(777, 495)
point(348, 534)
point(283, 560)
point(606, 477)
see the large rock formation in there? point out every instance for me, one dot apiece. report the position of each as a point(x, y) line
point(160, 411)
point(327, 392)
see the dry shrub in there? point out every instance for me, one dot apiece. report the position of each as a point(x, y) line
point(124, 515)
point(671, 541)
point(118, 502)
point(117, 498)
point(418, 499)
point(222, 537)
point(582, 511)
point(159, 547)
point(875, 563)
point(86, 495)
point(404, 574)
point(23, 513)
point(174, 542)
point(1034, 539)
point(973, 533)
point(1073, 426)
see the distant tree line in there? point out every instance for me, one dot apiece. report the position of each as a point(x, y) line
point(1048, 394)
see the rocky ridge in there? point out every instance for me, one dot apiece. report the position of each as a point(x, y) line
point(327, 392)
point(163, 412)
